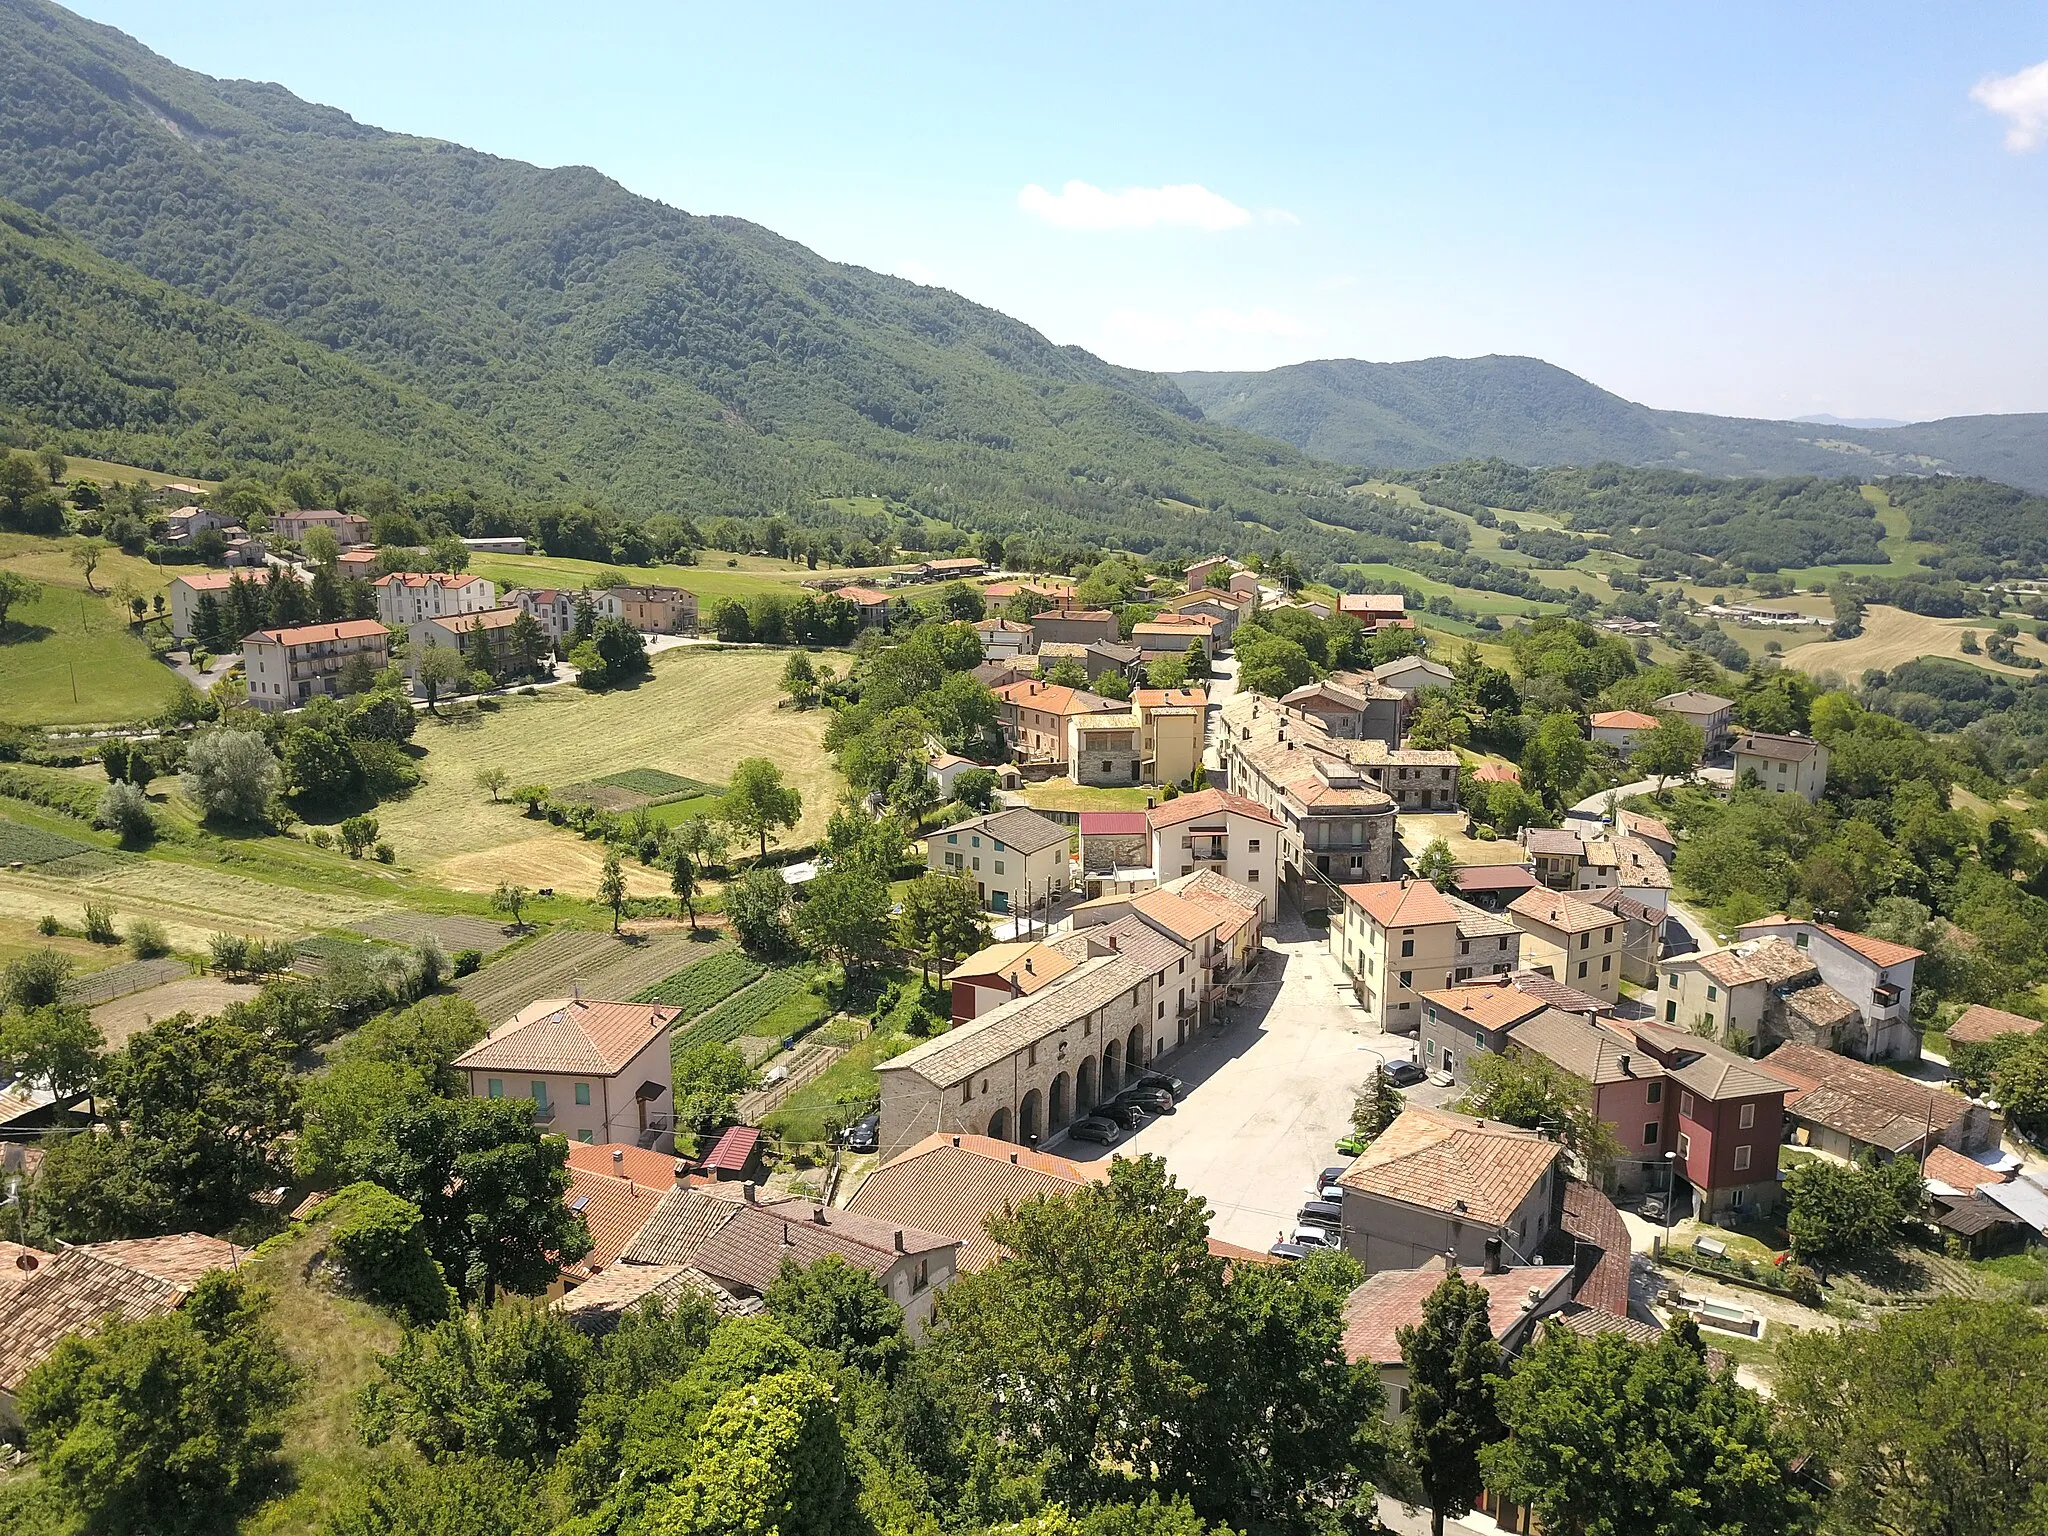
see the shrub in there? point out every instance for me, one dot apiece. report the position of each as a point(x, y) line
point(48, 926)
point(378, 1241)
point(388, 769)
point(357, 834)
point(270, 957)
point(36, 980)
point(99, 923)
point(124, 810)
point(228, 953)
point(386, 854)
point(322, 838)
point(467, 961)
point(147, 939)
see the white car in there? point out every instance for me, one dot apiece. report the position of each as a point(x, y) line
point(1314, 1237)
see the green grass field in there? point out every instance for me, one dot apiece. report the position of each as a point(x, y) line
point(1500, 604)
point(712, 580)
point(102, 472)
point(65, 659)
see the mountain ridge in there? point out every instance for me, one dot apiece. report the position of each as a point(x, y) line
point(1442, 409)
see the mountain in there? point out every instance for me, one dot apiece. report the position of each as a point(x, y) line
point(1825, 419)
point(411, 309)
point(1442, 409)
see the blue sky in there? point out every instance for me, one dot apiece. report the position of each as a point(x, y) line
point(1753, 209)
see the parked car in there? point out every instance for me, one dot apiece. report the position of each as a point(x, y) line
point(1127, 1116)
point(1322, 1213)
point(1331, 1175)
point(1404, 1074)
point(1652, 1208)
point(865, 1134)
point(1313, 1238)
point(1154, 1101)
point(1331, 1192)
point(1351, 1146)
point(1097, 1129)
point(1288, 1251)
point(1172, 1085)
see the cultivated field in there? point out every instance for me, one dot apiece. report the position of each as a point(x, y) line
point(197, 995)
point(700, 713)
point(607, 967)
point(1891, 637)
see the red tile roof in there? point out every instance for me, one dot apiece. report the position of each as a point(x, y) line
point(310, 634)
point(565, 1034)
point(615, 1209)
point(1451, 1163)
point(954, 1184)
point(1401, 903)
point(1879, 952)
point(1207, 802)
point(1375, 1313)
point(734, 1150)
point(657, 1170)
point(1945, 1165)
point(1113, 823)
point(1977, 1023)
point(1623, 720)
point(1590, 1217)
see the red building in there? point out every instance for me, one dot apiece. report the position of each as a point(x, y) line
point(1727, 1116)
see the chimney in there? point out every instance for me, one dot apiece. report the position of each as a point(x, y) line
point(1028, 971)
point(1493, 1246)
point(747, 1191)
point(1013, 1157)
point(618, 1159)
point(1450, 1261)
point(899, 1240)
point(956, 1141)
point(682, 1170)
point(1535, 1295)
point(818, 1215)
point(1624, 1063)
point(576, 988)
point(787, 1240)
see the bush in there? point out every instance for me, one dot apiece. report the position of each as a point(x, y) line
point(377, 1239)
point(467, 961)
point(99, 923)
point(231, 775)
point(386, 854)
point(147, 939)
point(322, 838)
point(228, 953)
point(124, 810)
point(357, 834)
point(48, 926)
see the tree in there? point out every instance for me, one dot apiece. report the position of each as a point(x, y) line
point(1612, 1438)
point(1838, 1213)
point(942, 918)
point(36, 980)
point(1196, 660)
point(490, 1188)
point(124, 809)
point(1273, 666)
point(492, 779)
point(1934, 1420)
point(1438, 865)
point(844, 916)
point(1672, 750)
point(1439, 722)
point(1376, 1105)
point(682, 884)
point(357, 834)
point(708, 1081)
point(1113, 685)
point(512, 899)
point(1067, 672)
point(87, 554)
point(611, 886)
point(757, 905)
point(53, 1044)
point(440, 671)
point(164, 1423)
point(800, 679)
point(757, 801)
point(1531, 1091)
point(16, 589)
point(320, 763)
point(770, 1461)
point(1166, 672)
point(975, 788)
point(53, 463)
point(506, 1382)
point(395, 1061)
point(1454, 1372)
point(1556, 758)
point(477, 654)
point(230, 775)
point(829, 1304)
point(321, 547)
point(526, 645)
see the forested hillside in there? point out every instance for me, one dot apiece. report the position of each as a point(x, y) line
point(1439, 409)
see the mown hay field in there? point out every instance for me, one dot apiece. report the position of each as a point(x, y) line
point(697, 716)
point(1891, 637)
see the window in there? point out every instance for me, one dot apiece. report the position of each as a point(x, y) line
point(1606, 963)
point(586, 1137)
point(1713, 993)
point(583, 1093)
point(977, 864)
point(1254, 845)
point(1251, 877)
point(1671, 1010)
point(1741, 1158)
point(1655, 1095)
point(1746, 1117)
point(496, 1089)
point(967, 1091)
point(1407, 978)
point(1582, 970)
point(952, 837)
point(920, 1277)
point(540, 1093)
point(999, 866)
point(1031, 1055)
point(1684, 1146)
point(1800, 940)
point(1483, 1042)
point(1586, 940)
point(1162, 1008)
point(1429, 1050)
point(1407, 948)
point(1650, 1129)
point(1685, 1105)
point(1606, 935)
point(975, 841)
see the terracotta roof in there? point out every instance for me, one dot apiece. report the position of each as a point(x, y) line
point(597, 1305)
point(614, 1208)
point(1490, 1005)
point(570, 1034)
point(1372, 602)
point(1113, 823)
point(1863, 1102)
point(13, 1273)
point(208, 581)
point(1772, 747)
point(1557, 910)
point(482, 618)
point(656, 1170)
point(1589, 1321)
point(1228, 898)
point(1010, 1027)
point(1401, 903)
point(1497, 773)
point(1184, 919)
point(749, 1250)
point(1453, 1164)
point(309, 634)
point(81, 1287)
point(1554, 841)
point(1056, 698)
point(1945, 1165)
point(953, 1184)
point(1635, 824)
point(1879, 952)
point(1170, 698)
point(866, 597)
point(1391, 1300)
point(1554, 992)
point(1018, 828)
point(1032, 963)
point(1495, 877)
point(1583, 1048)
point(1704, 1067)
point(1592, 1221)
point(734, 1149)
point(1131, 936)
point(1773, 962)
point(423, 579)
point(1977, 1023)
point(1623, 720)
point(1207, 802)
point(1621, 904)
point(1638, 866)
point(1693, 702)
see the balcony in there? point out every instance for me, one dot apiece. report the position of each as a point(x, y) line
point(543, 1114)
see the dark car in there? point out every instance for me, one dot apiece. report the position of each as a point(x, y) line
point(1288, 1251)
point(1172, 1085)
point(1330, 1176)
point(865, 1134)
point(1153, 1101)
point(1096, 1128)
point(1404, 1074)
point(1127, 1116)
point(1322, 1213)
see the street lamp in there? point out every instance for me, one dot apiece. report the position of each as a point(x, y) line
point(1670, 1194)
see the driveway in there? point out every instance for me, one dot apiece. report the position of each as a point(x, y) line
point(1268, 1092)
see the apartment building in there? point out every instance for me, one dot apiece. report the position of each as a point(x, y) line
point(1709, 712)
point(187, 587)
point(455, 632)
point(1037, 718)
point(1621, 729)
point(651, 610)
point(553, 608)
point(1398, 939)
point(1215, 829)
point(348, 528)
point(1016, 859)
point(1576, 942)
point(1875, 975)
point(286, 667)
point(405, 599)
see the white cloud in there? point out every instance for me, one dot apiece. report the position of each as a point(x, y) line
point(1078, 205)
point(2022, 100)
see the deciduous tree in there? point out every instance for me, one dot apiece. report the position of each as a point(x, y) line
point(1454, 1374)
point(757, 801)
point(829, 1304)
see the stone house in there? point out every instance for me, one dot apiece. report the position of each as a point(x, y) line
point(1438, 1183)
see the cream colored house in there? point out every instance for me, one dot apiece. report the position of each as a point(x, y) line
point(187, 587)
point(406, 598)
point(1578, 943)
point(1214, 829)
point(1015, 859)
point(1397, 939)
point(1173, 724)
point(651, 610)
point(286, 667)
point(1786, 765)
point(595, 1071)
point(1708, 711)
